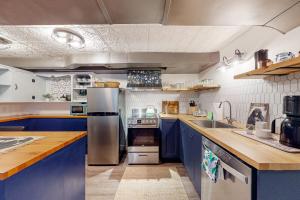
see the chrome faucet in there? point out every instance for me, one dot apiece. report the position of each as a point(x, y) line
point(229, 119)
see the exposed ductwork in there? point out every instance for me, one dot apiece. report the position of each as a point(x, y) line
point(282, 15)
point(121, 62)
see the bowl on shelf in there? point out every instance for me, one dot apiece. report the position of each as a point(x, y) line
point(111, 84)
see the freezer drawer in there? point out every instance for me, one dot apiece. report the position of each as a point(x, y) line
point(103, 100)
point(103, 140)
point(143, 158)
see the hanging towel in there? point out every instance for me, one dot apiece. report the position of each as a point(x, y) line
point(210, 164)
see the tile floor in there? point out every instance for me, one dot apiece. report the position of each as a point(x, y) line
point(103, 182)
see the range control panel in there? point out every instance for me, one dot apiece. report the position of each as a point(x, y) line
point(143, 123)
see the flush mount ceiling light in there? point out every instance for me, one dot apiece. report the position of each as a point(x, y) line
point(68, 37)
point(4, 43)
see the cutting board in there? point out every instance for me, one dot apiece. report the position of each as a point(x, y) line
point(170, 107)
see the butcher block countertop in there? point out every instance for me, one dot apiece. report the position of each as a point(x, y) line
point(20, 117)
point(18, 159)
point(256, 154)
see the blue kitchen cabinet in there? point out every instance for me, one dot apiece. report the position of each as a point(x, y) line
point(197, 160)
point(169, 139)
point(58, 124)
point(277, 185)
point(59, 176)
point(187, 137)
point(191, 146)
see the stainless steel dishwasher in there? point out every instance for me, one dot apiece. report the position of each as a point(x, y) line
point(235, 177)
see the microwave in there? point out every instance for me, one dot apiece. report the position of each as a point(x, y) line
point(78, 109)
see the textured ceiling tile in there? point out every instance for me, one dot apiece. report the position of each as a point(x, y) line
point(132, 37)
point(36, 41)
point(213, 38)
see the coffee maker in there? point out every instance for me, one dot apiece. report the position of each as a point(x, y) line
point(290, 126)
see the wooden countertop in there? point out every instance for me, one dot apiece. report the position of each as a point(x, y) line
point(20, 117)
point(256, 154)
point(16, 160)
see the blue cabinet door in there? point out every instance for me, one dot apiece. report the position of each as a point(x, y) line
point(187, 137)
point(197, 160)
point(58, 124)
point(169, 139)
point(191, 148)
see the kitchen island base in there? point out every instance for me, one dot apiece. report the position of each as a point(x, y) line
point(59, 176)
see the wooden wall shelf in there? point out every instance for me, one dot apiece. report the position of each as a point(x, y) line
point(281, 68)
point(197, 88)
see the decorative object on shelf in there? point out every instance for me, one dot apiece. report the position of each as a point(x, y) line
point(79, 87)
point(48, 97)
point(99, 84)
point(261, 58)
point(284, 56)
point(68, 37)
point(144, 79)
point(112, 84)
point(4, 43)
point(258, 112)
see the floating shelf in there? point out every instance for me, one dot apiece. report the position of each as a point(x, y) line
point(281, 68)
point(197, 88)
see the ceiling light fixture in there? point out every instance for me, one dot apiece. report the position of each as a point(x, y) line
point(4, 43)
point(237, 58)
point(68, 37)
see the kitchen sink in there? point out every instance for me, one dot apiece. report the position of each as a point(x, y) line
point(211, 124)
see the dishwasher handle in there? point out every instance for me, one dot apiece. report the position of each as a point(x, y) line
point(233, 172)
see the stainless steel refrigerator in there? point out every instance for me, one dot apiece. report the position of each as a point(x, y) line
point(105, 127)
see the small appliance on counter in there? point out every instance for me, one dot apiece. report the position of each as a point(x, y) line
point(78, 109)
point(290, 126)
point(170, 107)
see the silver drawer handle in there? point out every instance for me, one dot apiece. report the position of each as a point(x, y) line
point(143, 155)
point(234, 172)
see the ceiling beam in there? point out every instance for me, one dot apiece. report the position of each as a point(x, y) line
point(104, 11)
point(166, 12)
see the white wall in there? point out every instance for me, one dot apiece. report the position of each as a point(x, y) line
point(243, 92)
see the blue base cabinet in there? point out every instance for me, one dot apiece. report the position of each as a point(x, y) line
point(277, 185)
point(59, 176)
point(191, 147)
point(169, 129)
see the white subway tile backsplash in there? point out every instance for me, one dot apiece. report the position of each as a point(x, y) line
point(287, 86)
point(294, 85)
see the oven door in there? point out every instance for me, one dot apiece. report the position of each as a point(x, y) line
point(143, 140)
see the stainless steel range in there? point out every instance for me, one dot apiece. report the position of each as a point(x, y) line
point(143, 139)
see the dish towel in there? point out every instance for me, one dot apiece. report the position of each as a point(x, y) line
point(211, 164)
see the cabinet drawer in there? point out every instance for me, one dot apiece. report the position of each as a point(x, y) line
point(143, 158)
